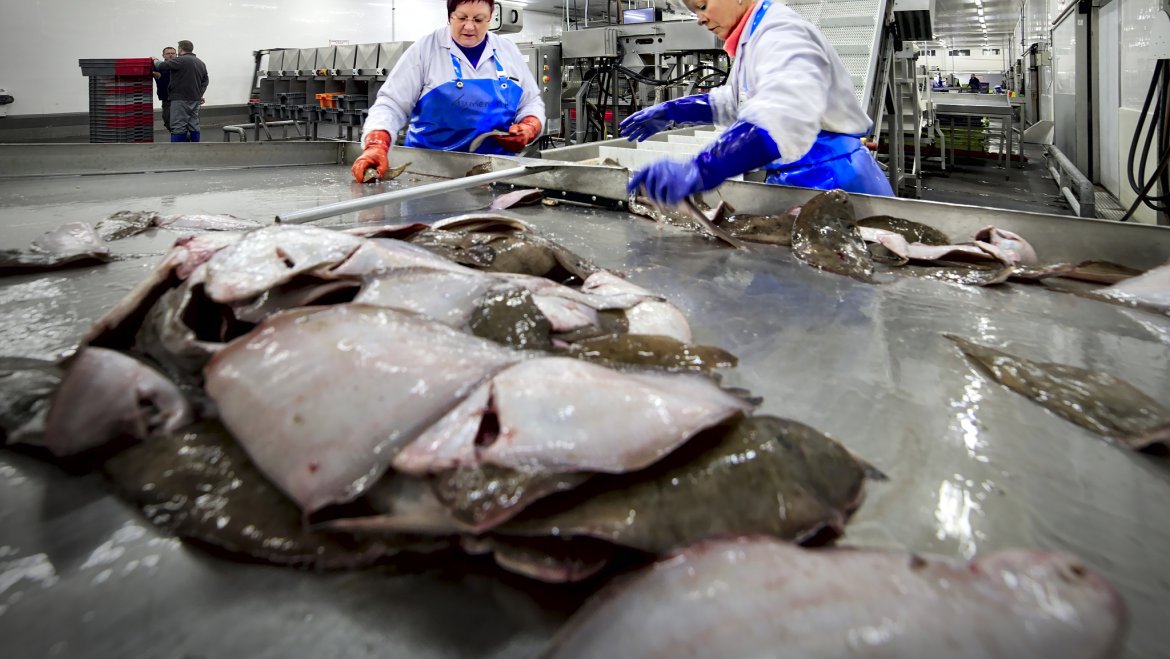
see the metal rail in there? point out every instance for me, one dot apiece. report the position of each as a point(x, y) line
point(1077, 189)
point(427, 190)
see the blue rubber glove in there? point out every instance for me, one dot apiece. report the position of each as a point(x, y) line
point(741, 148)
point(686, 111)
point(667, 181)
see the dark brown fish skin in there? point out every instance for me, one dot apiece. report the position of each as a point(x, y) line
point(26, 385)
point(1038, 272)
point(167, 339)
point(124, 224)
point(1102, 272)
point(512, 318)
point(689, 214)
point(660, 352)
point(507, 251)
point(825, 236)
point(391, 174)
point(727, 481)
point(642, 207)
point(913, 232)
point(766, 229)
point(482, 168)
point(242, 513)
point(482, 497)
point(1098, 401)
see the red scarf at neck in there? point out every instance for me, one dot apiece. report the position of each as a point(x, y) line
point(731, 46)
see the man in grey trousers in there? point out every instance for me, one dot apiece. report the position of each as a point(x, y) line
point(188, 84)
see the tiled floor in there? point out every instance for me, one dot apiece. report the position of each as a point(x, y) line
point(1025, 186)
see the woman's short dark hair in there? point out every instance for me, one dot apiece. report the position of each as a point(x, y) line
point(452, 4)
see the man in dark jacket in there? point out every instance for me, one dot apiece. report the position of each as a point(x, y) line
point(162, 80)
point(188, 84)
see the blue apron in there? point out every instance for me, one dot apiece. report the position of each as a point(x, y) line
point(835, 161)
point(450, 116)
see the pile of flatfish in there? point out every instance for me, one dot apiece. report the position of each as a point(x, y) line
point(384, 395)
point(826, 234)
point(324, 398)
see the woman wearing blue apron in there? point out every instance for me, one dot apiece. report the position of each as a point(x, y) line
point(452, 86)
point(789, 105)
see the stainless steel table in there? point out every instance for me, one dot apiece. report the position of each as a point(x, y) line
point(979, 105)
point(973, 467)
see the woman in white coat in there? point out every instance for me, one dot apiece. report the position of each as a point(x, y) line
point(453, 85)
point(788, 103)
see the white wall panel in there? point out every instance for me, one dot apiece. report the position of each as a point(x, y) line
point(42, 40)
point(1137, 63)
point(1108, 97)
point(1064, 44)
point(1137, 66)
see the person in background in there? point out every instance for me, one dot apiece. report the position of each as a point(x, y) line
point(188, 85)
point(788, 103)
point(162, 81)
point(452, 86)
point(975, 84)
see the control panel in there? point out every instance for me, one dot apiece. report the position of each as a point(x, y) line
point(544, 61)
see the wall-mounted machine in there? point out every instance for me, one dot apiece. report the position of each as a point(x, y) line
point(508, 18)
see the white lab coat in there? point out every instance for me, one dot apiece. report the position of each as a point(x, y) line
point(427, 64)
point(788, 80)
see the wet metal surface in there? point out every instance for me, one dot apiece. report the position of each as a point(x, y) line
point(972, 466)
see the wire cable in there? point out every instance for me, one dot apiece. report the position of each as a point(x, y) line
point(1158, 123)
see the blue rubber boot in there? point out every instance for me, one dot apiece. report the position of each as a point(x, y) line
point(193, 136)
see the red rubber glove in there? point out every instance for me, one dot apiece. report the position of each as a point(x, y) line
point(375, 155)
point(520, 134)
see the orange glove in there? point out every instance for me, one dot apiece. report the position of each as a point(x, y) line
point(377, 147)
point(520, 134)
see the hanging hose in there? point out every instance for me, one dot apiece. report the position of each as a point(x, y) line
point(698, 84)
point(1159, 124)
point(661, 83)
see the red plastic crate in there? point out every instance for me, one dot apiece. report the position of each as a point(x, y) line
point(128, 121)
point(124, 66)
point(573, 114)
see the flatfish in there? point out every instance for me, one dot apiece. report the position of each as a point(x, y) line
point(760, 597)
point(71, 245)
point(1098, 401)
point(825, 236)
point(200, 485)
point(756, 475)
point(913, 232)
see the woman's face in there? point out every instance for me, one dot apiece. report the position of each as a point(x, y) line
point(469, 23)
point(719, 16)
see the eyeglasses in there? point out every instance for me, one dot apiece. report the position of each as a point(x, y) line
point(461, 18)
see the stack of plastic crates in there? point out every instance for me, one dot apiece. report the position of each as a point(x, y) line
point(121, 99)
